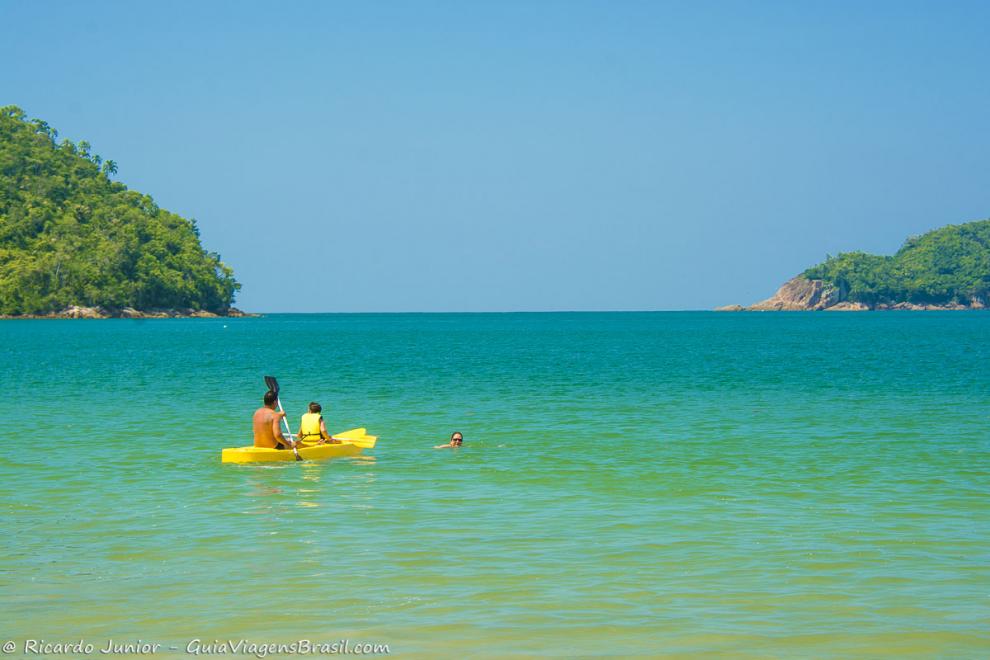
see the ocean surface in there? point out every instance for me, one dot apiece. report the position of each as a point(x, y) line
point(744, 485)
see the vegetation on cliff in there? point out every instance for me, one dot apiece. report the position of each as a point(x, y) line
point(69, 235)
point(950, 265)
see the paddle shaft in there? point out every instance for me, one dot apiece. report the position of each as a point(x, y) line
point(288, 431)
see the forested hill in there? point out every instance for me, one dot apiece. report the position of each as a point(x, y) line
point(71, 236)
point(950, 265)
point(948, 268)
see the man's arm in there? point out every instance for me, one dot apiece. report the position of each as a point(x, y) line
point(277, 428)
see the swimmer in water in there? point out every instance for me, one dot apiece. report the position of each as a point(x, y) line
point(456, 440)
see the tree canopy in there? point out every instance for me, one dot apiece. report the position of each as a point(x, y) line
point(947, 265)
point(70, 235)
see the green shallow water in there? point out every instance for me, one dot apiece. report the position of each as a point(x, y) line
point(632, 484)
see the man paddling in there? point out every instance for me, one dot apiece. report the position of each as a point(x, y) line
point(268, 425)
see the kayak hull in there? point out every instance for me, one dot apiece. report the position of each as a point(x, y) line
point(309, 452)
point(353, 443)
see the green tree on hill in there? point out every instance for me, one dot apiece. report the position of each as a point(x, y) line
point(69, 235)
point(947, 265)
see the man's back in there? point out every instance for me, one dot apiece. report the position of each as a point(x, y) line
point(264, 428)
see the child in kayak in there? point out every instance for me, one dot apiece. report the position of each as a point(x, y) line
point(312, 426)
point(456, 440)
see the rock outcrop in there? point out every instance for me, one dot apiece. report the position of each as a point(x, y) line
point(847, 306)
point(79, 312)
point(800, 294)
point(76, 312)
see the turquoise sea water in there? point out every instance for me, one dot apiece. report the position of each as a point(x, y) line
point(753, 485)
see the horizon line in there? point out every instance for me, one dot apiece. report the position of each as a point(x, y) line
point(495, 311)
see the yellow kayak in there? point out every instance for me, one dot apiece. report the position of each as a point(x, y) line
point(352, 442)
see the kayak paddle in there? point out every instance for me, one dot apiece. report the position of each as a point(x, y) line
point(273, 386)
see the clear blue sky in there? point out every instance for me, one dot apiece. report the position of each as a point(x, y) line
point(389, 156)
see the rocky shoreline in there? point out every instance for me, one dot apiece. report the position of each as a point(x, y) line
point(77, 312)
point(800, 294)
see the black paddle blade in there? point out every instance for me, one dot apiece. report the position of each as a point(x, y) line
point(272, 384)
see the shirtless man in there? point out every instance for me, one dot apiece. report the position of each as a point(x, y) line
point(268, 426)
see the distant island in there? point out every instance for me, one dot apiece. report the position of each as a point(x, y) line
point(948, 268)
point(76, 244)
